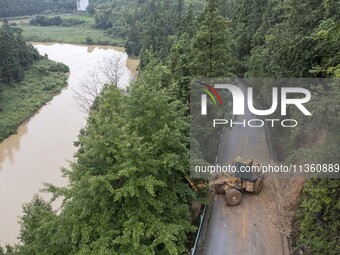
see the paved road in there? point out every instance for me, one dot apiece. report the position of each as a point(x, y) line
point(249, 228)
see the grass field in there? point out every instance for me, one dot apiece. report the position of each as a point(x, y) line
point(17, 20)
point(20, 101)
point(80, 34)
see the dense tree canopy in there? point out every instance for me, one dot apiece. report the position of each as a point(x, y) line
point(12, 8)
point(16, 55)
point(212, 54)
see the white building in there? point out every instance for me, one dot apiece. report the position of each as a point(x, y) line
point(82, 5)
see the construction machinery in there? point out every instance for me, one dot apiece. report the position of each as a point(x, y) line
point(244, 179)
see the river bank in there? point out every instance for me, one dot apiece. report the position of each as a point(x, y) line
point(21, 100)
point(132, 63)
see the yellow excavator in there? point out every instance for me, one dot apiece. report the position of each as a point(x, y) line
point(233, 186)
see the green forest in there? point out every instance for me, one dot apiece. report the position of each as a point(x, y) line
point(12, 8)
point(128, 192)
point(16, 55)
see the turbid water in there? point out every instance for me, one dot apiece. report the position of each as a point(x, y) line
point(44, 144)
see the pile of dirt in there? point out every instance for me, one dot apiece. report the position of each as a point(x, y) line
point(287, 194)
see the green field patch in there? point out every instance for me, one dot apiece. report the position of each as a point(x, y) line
point(80, 34)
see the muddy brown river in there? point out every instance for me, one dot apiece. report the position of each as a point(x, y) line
point(44, 144)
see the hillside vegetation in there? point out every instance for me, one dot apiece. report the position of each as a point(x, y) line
point(128, 192)
point(12, 8)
